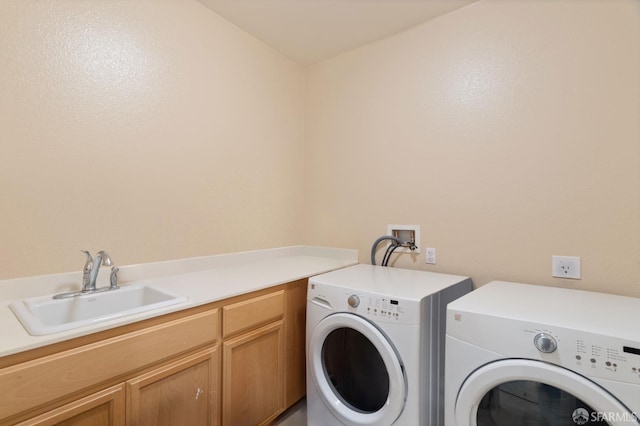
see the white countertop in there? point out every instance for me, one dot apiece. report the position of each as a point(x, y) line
point(202, 280)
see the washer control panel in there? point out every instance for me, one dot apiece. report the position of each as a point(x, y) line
point(591, 355)
point(594, 334)
point(618, 361)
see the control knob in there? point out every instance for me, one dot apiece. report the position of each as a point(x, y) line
point(353, 301)
point(545, 343)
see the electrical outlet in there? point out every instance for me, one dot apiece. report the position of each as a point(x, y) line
point(565, 267)
point(430, 255)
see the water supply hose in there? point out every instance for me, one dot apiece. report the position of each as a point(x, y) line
point(378, 241)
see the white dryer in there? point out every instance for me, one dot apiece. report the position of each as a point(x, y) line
point(375, 345)
point(521, 354)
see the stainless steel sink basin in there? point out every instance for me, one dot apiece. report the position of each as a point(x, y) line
point(45, 315)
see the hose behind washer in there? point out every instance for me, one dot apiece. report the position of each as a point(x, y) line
point(378, 241)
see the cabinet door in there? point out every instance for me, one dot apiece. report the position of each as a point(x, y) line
point(252, 377)
point(183, 392)
point(104, 408)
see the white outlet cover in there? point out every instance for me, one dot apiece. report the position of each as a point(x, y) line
point(565, 267)
point(430, 255)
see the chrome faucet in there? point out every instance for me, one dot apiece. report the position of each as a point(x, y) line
point(90, 275)
point(91, 269)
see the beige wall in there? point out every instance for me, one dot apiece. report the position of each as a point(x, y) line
point(151, 129)
point(156, 130)
point(508, 130)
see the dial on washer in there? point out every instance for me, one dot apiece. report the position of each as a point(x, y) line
point(545, 343)
point(353, 301)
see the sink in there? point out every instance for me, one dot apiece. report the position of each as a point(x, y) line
point(45, 315)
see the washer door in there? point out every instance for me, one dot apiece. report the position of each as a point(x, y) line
point(519, 391)
point(357, 372)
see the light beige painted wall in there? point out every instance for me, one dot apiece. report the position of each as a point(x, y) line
point(508, 130)
point(151, 129)
point(156, 130)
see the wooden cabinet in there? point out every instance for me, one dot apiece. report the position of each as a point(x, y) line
point(182, 392)
point(234, 362)
point(60, 381)
point(252, 376)
point(253, 360)
point(55, 376)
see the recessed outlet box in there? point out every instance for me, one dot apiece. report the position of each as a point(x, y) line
point(405, 233)
point(565, 267)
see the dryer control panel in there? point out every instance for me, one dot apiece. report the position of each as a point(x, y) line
point(375, 307)
point(380, 308)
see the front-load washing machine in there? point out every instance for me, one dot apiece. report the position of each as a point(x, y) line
point(519, 354)
point(375, 345)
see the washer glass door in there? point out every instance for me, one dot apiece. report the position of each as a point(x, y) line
point(534, 393)
point(357, 372)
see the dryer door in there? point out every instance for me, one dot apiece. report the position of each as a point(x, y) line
point(520, 391)
point(357, 372)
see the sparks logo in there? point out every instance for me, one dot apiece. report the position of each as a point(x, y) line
point(580, 416)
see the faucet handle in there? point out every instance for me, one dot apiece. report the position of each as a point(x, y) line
point(89, 262)
point(113, 279)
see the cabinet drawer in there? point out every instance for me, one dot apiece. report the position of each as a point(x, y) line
point(250, 313)
point(101, 408)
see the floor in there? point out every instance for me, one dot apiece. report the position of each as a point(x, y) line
point(294, 416)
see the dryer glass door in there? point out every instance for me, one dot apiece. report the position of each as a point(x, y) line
point(356, 370)
point(535, 393)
